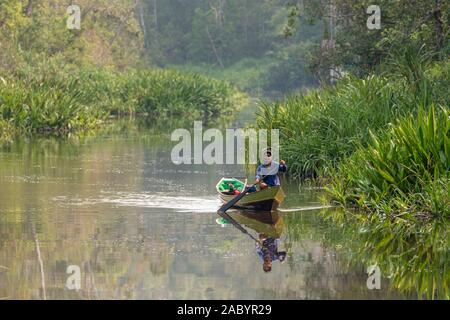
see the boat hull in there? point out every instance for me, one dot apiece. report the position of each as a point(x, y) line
point(264, 200)
point(268, 223)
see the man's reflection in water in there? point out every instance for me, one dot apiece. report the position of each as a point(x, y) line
point(267, 250)
point(268, 225)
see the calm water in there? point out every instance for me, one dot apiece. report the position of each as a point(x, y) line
point(139, 227)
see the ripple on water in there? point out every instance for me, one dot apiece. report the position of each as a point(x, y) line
point(145, 200)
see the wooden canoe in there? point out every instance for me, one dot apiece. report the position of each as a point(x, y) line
point(263, 200)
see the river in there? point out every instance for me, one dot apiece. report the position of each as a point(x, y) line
point(136, 226)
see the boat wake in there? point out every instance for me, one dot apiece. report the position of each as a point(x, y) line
point(144, 200)
point(162, 201)
point(311, 208)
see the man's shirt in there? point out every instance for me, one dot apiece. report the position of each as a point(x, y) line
point(269, 173)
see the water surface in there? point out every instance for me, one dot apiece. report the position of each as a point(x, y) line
point(140, 227)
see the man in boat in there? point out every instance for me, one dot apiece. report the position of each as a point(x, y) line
point(267, 172)
point(267, 250)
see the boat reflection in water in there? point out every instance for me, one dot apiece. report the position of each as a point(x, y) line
point(269, 227)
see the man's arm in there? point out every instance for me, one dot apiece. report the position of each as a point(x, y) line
point(258, 177)
point(283, 167)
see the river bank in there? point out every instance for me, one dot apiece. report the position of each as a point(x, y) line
point(381, 147)
point(62, 99)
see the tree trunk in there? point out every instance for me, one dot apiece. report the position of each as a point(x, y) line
point(216, 53)
point(142, 22)
point(155, 13)
point(29, 8)
point(246, 21)
point(437, 14)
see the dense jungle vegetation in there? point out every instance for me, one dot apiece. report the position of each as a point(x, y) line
point(364, 112)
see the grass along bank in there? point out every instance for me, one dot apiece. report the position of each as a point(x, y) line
point(249, 74)
point(66, 99)
point(319, 128)
point(404, 172)
point(271, 75)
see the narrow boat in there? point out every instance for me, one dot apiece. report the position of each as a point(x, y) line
point(264, 200)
